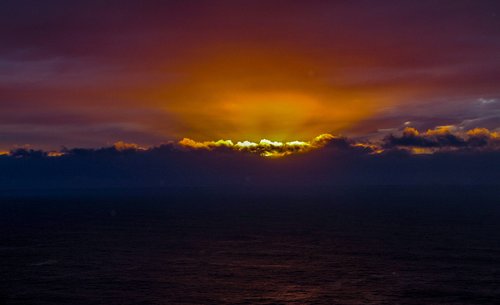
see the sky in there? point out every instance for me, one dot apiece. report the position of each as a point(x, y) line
point(92, 73)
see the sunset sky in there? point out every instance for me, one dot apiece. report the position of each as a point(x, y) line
point(91, 73)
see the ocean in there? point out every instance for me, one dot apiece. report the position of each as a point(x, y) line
point(330, 245)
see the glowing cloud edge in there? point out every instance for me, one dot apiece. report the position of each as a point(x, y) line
point(264, 147)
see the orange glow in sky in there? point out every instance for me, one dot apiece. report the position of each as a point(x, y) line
point(255, 94)
point(89, 74)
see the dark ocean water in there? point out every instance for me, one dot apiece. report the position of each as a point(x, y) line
point(377, 245)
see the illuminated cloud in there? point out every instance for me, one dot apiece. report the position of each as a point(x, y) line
point(372, 148)
point(264, 147)
point(122, 146)
point(483, 133)
point(55, 154)
point(444, 138)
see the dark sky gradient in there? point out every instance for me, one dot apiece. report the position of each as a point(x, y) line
point(90, 73)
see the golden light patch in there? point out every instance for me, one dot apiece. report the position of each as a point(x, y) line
point(483, 132)
point(422, 150)
point(121, 146)
point(55, 154)
point(441, 130)
point(277, 115)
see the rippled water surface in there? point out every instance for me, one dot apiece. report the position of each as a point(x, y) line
point(348, 246)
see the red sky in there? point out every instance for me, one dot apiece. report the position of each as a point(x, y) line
point(90, 73)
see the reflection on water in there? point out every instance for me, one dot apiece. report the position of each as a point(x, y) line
point(379, 246)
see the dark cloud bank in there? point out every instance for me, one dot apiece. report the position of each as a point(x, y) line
point(463, 161)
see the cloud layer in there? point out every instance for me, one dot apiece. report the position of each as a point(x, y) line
point(442, 139)
point(441, 156)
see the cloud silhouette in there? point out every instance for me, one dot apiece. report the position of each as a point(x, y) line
point(458, 157)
